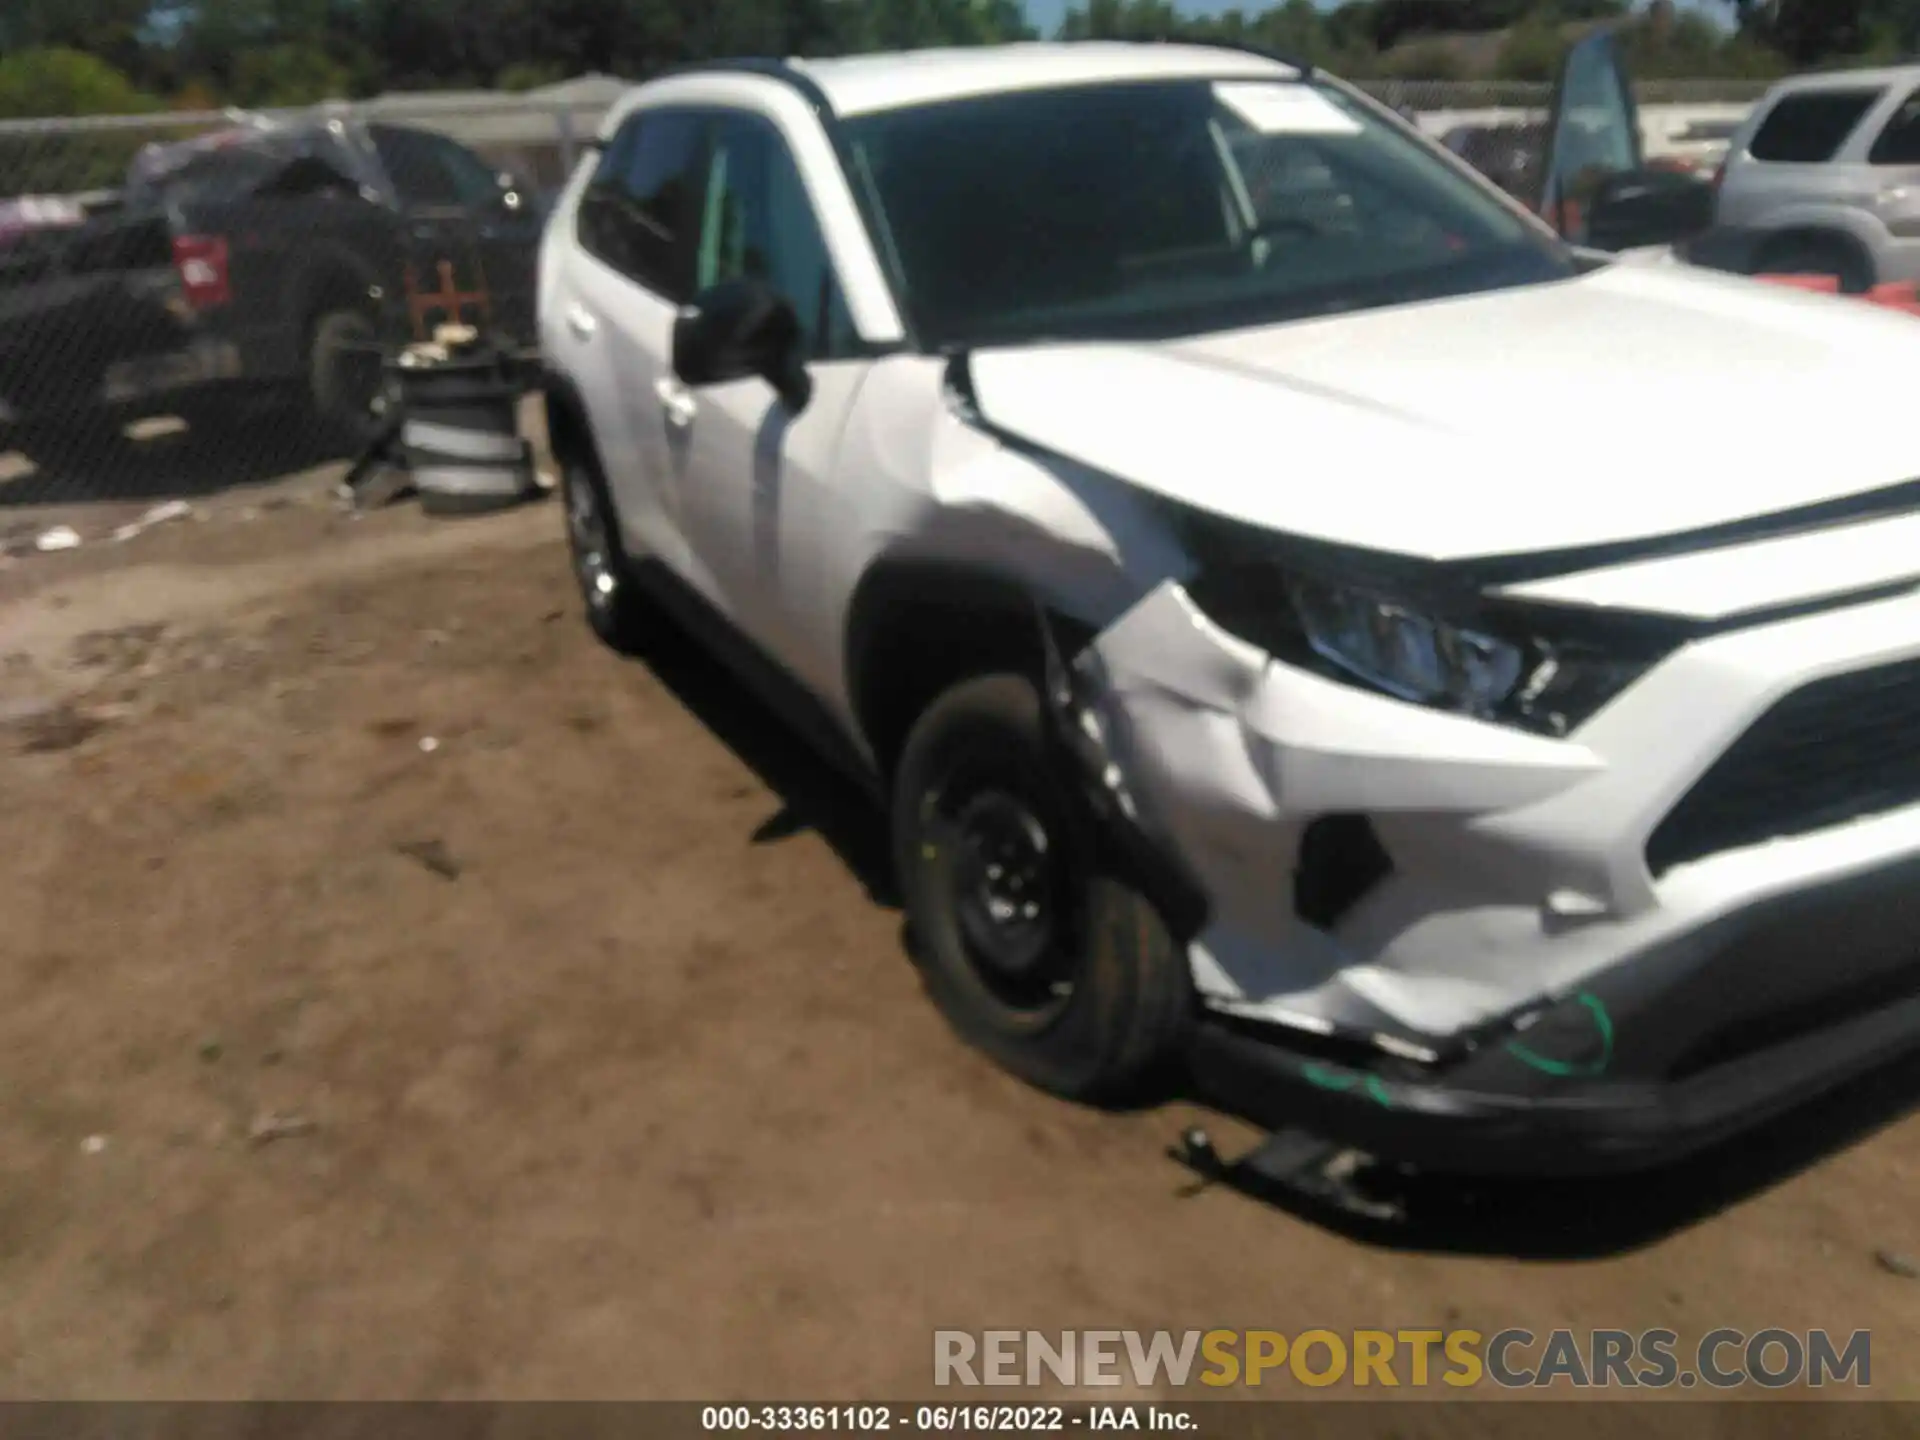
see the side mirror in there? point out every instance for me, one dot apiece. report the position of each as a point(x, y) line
point(742, 328)
point(1649, 207)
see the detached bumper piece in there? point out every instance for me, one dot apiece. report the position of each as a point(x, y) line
point(1668, 1054)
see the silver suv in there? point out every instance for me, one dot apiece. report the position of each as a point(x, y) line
point(1824, 179)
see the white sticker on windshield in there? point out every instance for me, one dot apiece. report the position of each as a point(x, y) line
point(1285, 109)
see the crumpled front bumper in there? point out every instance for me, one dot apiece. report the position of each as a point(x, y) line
point(1625, 1074)
point(1518, 991)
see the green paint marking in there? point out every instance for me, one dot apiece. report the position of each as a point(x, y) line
point(1341, 1081)
point(1327, 1079)
point(1567, 1070)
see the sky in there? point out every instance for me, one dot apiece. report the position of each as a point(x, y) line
point(1045, 15)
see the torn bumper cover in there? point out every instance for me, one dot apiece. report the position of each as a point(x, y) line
point(1498, 982)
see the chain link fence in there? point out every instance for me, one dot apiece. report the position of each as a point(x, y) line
point(170, 283)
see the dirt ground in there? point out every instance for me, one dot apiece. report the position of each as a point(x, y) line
point(402, 996)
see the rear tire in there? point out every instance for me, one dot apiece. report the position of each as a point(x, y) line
point(1817, 255)
point(601, 568)
point(52, 446)
point(345, 376)
point(1032, 945)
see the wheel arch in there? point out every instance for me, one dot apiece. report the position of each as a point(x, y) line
point(1817, 232)
point(918, 625)
point(332, 279)
point(569, 431)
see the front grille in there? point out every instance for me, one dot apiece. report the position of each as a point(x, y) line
point(1834, 751)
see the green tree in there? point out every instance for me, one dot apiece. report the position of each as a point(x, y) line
point(291, 74)
point(115, 31)
point(1820, 32)
point(527, 75)
point(1425, 60)
point(57, 81)
point(1532, 51)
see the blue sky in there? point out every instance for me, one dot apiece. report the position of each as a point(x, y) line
point(1044, 15)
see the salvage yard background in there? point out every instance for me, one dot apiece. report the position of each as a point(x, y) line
point(55, 173)
point(403, 996)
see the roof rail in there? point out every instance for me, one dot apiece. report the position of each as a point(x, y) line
point(767, 66)
point(1306, 67)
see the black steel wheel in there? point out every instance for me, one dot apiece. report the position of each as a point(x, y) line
point(1032, 946)
point(600, 565)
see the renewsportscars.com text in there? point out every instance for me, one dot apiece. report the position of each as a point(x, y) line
point(1722, 1359)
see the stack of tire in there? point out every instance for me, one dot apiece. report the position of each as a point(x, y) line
point(460, 428)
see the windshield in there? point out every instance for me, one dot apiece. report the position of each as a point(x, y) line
point(1160, 209)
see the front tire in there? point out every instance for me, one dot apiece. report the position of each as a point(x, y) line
point(1032, 945)
point(1817, 255)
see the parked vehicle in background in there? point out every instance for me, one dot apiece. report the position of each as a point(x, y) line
point(1698, 146)
point(1596, 183)
point(1508, 155)
point(274, 260)
point(1824, 179)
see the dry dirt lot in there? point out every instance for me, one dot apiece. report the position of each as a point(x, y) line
point(402, 996)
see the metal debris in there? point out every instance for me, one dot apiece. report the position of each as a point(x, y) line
point(158, 515)
point(1895, 1263)
point(60, 537)
point(270, 1127)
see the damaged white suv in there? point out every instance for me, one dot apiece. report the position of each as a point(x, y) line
point(1285, 593)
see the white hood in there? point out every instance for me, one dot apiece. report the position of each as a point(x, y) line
point(1631, 402)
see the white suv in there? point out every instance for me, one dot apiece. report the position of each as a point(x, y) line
point(1283, 590)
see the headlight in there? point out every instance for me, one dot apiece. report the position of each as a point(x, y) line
point(1484, 665)
point(1404, 653)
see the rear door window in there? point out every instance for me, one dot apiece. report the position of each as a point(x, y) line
point(1809, 128)
point(1899, 143)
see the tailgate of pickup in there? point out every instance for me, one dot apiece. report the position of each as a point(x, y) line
point(82, 314)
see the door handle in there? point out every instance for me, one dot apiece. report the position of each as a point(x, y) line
point(677, 401)
point(581, 322)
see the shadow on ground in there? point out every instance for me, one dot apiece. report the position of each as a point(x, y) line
point(814, 796)
point(163, 460)
point(1380, 1206)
